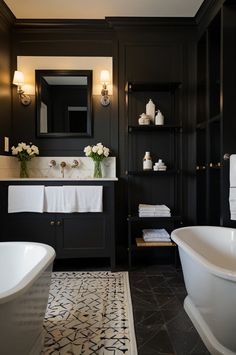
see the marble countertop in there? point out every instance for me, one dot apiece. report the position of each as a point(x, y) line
point(59, 179)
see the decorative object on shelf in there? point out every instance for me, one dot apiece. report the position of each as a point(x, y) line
point(147, 161)
point(150, 110)
point(105, 78)
point(24, 153)
point(19, 80)
point(159, 118)
point(144, 119)
point(97, 153)
point(159, 166)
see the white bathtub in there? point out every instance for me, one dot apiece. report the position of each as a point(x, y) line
point(208, 258)
point(25, 274)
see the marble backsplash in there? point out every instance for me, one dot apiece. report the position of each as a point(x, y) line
point(39, 167)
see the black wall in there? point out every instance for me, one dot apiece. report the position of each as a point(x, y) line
point(143, 49)
point(75, 38)
point(6, 21)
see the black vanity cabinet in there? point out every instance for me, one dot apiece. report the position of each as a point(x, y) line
point(73, 235)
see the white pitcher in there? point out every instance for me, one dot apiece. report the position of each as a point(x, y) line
point(159, 119)
point(150, 110)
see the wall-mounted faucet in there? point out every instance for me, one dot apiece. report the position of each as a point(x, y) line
point(62, 165)
point(52, 163)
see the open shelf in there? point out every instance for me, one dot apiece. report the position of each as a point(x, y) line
point(150, 128)
point(152, 172)
point(136, 218)
point(141, 243)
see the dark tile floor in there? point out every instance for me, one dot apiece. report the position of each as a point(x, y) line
point(161, 324)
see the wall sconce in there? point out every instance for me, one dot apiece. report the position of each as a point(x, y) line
point(19, 80)
point(105, 78)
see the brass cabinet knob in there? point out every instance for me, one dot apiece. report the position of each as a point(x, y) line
point(52, 223)
point(58, 223)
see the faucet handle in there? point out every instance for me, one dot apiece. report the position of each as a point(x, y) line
point(63, 164)
point(75, 164)
point(52, 163)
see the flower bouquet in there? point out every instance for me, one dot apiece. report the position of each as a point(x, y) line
point(97, 152)
point(24, 153)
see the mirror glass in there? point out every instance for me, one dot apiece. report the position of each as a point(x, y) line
point(63, 102)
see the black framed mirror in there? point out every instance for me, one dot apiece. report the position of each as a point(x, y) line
point(63, 103)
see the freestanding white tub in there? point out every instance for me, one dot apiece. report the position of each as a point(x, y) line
point(25, 274)
point(208, 258)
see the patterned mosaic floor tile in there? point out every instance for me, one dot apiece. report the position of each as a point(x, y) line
point(89, 313)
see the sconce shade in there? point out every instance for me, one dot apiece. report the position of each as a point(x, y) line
point(18, 78)
point(104, 76)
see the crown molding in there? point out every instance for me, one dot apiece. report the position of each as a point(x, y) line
point(7, 18)
point(206, 13)
point(140, 22)
point(60, 24)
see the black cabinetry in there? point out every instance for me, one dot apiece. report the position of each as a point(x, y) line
point(164, 142)
point(215, 116)
point(73, 235)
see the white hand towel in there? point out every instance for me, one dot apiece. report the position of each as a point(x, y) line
point(54, 199)
point(232, 170)
point(70, 199)
point(232, 203)
point(25, 198)
point(232, 189)
point(89, 198)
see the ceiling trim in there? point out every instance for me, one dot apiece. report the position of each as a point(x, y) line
point(208, 7)
point(6, 15)
point(119, 22)
point(63, 24)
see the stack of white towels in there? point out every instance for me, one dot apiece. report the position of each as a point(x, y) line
point(232, 187)
point(156, 235)
point(153, 210)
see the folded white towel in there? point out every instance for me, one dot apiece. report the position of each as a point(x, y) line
point(89, 198)
point(82, 198)
point(232, 170)
point(154, 214)
point(70, 199)
point(149, 239)
point(232, 203)
point(156, 233)
point(25, 198)
point(54, 201)
point(145, 207)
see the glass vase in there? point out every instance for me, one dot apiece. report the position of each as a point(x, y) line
point(97, 172)
point(23, 169)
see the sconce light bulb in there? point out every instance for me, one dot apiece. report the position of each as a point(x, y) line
point(105, 76)
point(18, 78)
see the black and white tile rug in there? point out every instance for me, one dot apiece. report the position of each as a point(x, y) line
point(89, 313)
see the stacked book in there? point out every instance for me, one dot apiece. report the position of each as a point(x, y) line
point(153, 210)
point(156, 235)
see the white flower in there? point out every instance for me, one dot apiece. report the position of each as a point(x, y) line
point(106, 152)
point(87, 150)
point(94, 149)
point(97, 152)
point(25, 151)
point(14, 150)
